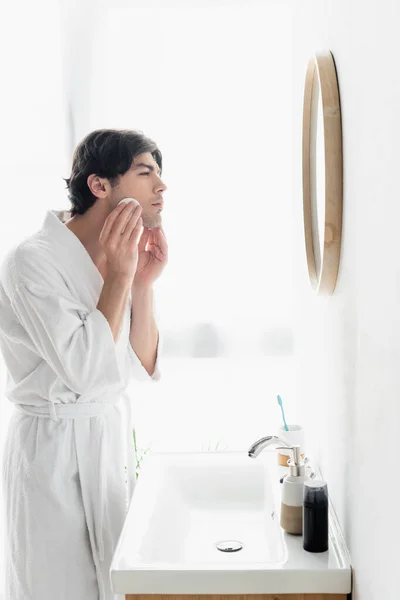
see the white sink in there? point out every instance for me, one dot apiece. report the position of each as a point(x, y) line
point(186, 503)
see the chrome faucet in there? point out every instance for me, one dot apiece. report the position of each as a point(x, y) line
point(262, 443)
point(270, 440)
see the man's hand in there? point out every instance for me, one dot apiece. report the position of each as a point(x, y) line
point(119, 239)
point(152, 261)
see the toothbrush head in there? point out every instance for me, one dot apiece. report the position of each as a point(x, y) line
point(283, 413)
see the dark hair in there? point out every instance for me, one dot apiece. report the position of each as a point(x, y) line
point(107, 153)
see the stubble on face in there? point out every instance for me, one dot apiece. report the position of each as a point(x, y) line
point(152, 218)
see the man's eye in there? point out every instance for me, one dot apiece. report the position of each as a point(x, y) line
point(145, 173)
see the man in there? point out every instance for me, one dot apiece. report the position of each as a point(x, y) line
point(76, 323)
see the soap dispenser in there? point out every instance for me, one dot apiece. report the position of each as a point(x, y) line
point(292, 493)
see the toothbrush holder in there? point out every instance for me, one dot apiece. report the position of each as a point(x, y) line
point(295, 436)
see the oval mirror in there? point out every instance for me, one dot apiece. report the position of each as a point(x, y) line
point(322, 172)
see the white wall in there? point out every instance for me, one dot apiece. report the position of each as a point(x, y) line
point(348, 345)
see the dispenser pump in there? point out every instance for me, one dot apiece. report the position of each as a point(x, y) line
point(296, 464)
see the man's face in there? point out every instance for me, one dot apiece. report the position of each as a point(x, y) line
point(143, 183)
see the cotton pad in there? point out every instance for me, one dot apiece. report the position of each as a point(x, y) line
point(129, 200)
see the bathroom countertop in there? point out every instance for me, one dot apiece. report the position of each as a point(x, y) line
point(300, 572)
point(324, 572)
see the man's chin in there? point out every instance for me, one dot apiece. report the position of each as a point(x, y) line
point(153, 224)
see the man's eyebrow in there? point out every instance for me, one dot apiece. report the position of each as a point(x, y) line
point(145, 165)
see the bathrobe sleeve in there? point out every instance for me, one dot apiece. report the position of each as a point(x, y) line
point(137, 369)
point(76, 343)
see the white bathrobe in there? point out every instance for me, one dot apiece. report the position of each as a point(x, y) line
point(68, 471)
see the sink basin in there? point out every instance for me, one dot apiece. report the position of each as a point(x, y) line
point(187, 504)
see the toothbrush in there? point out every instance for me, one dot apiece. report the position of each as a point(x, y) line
point(283, 414)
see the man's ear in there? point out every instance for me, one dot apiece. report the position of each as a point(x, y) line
point(99, 186)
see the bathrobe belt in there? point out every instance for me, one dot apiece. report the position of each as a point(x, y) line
point(94, 473)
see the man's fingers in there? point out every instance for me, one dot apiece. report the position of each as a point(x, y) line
point(116, 219)
point(163, 239)
point(126, 221)
point(159, 241)
point(133, 238)
point(143, 240)
point(109, 222)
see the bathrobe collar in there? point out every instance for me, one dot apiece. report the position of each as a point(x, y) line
point(76, 259)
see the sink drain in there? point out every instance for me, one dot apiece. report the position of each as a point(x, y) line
point(229, 546)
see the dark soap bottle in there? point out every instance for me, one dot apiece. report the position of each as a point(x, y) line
point(315, 516)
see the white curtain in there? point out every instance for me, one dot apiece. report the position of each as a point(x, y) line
point(34, 139)
point(211, 84)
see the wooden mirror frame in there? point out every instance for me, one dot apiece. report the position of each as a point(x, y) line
point(321, 70)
